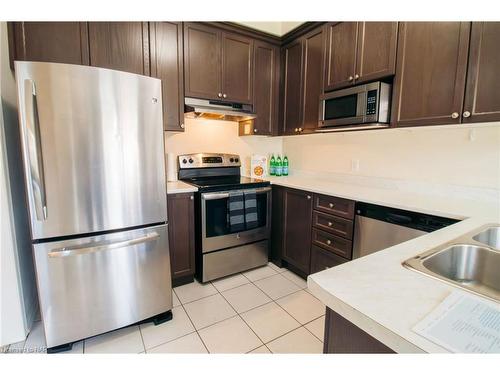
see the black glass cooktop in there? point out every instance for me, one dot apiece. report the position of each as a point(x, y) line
point(225, 183)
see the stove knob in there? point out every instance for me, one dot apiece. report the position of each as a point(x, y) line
point(184, 161)
point(236, 160)
point(191, 161)
point(231, 160)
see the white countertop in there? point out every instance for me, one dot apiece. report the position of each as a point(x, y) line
point(376, 292)
point(175, 187)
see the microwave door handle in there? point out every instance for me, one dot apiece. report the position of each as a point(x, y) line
point(34, 147)
point(361, 110)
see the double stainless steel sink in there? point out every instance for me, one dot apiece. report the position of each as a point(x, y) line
point(471, 262)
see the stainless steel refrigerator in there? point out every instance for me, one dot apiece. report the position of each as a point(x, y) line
point(93, 153)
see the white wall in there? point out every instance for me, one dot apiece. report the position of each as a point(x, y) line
point(219, 136)
point(426, 154)
point(275, 28)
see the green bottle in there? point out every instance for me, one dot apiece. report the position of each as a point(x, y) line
point(279, 167)
point(285, 166)
point(272, 166)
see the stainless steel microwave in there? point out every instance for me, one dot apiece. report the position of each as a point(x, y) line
point(359, 107)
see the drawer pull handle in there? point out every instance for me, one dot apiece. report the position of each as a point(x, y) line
point(331, 205)
point(328, 242)
point(308, 197)
point(330, 223)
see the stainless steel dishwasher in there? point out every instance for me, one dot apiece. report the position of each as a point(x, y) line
point(378, 227)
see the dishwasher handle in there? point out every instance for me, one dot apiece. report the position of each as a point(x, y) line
point(398, 219)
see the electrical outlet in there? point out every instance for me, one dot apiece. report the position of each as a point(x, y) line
point(355, 165)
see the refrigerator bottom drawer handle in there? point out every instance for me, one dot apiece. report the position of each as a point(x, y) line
point(85, 249)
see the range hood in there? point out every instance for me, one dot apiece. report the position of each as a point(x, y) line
point(217, 110)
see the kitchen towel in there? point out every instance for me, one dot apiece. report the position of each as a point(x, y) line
point(236, 212)
point(251, 209)
point(171, 167)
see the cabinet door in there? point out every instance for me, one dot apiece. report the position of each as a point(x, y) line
point(340, 54)
point(376, 54)
point(430, 73)
point(312, 87)
point(265, 88)
point(181, 234)
point(237, 63)
point(202, 61)
point(167, 64)
point(297, 228)
point(482, 96)
point(292, 98)
point(120, 46)
point(61, 42)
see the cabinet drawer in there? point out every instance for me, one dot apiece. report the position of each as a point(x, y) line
point(333, 224)
point(322, 259)
point(334, 206)
point(327, 241)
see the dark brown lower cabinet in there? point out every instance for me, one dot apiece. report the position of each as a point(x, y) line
point(181, 237)
point(322, 259)
point(297, 215)
point(344, 337)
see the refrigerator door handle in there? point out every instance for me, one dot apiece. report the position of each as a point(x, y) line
point(79, 250)
point(34, 143)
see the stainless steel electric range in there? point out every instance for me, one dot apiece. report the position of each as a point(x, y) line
point(233, 215)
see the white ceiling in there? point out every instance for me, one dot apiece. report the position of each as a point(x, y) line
point(275, 28)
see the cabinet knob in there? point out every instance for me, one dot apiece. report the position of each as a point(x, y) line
point(182, 126)
point(308, 197)
point(454, 115)
point(224, 95)
point(300, 129)
point(331, 205)
point(356, 76)
point(255, 130)
point(330, 223)
point(351, 78)
point(219, 95)
point(466, 114)
point(296, 130)
point(328, 242)
point(191, 197)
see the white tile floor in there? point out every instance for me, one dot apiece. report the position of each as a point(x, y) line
point(265, 310)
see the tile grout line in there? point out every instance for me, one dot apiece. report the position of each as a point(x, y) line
point(244, 321)
point(142, 337)
point(195, 329)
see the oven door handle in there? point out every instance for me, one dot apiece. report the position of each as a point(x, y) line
point(224, 195)
point(213, 196)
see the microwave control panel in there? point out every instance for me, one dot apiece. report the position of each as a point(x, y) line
point(371, 102)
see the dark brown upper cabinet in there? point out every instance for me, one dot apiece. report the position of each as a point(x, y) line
point(61, 42)
point(312, 86)
point(341, 40)
point(376, 51)
point(430, 73)
point(202, 61)
point(181, 237)
point(167, 64)
point(297, 216)
point(237, 64)
point(120, 45)
point(218, 64)
point(358, 52)
point(292, 86)
point(482, 95)
point(266, 88)
point(303, 62)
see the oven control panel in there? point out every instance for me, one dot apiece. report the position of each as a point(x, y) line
point(205, 160)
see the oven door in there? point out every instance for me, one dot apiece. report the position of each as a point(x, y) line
point(215, 230)
point(343, 107)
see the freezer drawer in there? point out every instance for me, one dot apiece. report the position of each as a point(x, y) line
point(92, 285)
